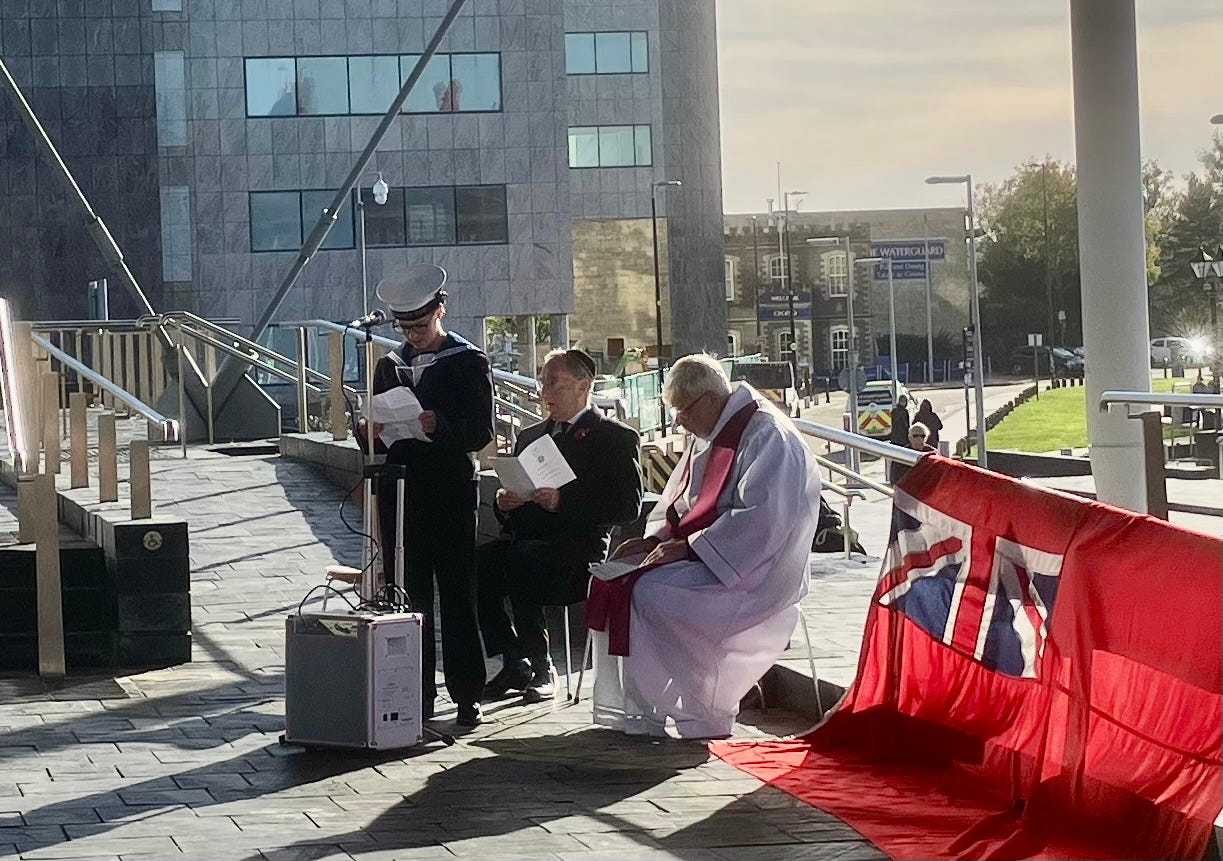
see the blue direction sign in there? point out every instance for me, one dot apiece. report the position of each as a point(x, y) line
point(776, 306)
point(908, 257)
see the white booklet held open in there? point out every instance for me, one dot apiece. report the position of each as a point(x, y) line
point(539, 465)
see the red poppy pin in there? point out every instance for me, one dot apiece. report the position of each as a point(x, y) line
point(580, 433)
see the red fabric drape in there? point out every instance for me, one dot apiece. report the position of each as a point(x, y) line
point(1109, 748)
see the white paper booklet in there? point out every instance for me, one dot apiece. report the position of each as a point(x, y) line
point(613, 568)
point(398, 411)
point(539, 465)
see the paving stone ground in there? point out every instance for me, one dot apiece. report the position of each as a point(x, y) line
point(185, 763)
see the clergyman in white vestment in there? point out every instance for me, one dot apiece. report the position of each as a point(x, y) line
point(720, 609)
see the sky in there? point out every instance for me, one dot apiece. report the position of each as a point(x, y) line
point(860, 100)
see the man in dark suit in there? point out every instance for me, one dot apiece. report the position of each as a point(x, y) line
point(550, 540)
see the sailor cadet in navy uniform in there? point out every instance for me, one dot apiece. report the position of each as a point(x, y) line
point(451, 378)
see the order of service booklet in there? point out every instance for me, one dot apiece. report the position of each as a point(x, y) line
point(539, 465)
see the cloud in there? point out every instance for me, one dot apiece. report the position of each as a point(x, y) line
point(860, 102)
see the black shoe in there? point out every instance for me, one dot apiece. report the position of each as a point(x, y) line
point(470, 714)
point(426, 709)
point(542, 685)
point(514, 676)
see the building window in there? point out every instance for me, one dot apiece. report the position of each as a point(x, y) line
point(778, 270)
point(610, 146)
point(838, 339)
point(322, 86)
point(367, 85)
point(384, 223)
point(435, 215)
point(271, 87)
point(480, 214)
point(430, 214)
point(732, 343)
point(314, 203)
point(276, 221)
point(373, 83)
point(731, 271)
point(835, 272)
point(175, 233)
point(614, 53)
point(785, 340)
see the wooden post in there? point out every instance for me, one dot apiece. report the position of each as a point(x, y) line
point(210, 374)
point(335, 367)
point(108, 459)
point(78, 444)
point(104, 348)
point(26, 514)
point(138, 479)
point(50, 606)
point(127, 361)
point(146, 368)
point(49, 385)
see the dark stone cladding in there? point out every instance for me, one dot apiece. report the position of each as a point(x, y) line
point(86, 67)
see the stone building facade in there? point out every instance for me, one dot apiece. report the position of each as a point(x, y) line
point(210, 135)
point(757, 280)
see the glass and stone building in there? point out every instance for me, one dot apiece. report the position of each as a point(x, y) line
point(210, 135)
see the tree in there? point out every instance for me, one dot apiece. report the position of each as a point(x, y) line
point(1015, 246)
point(1179, 305)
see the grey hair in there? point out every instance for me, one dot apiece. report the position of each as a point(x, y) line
point(693, 376)
point(919, 426)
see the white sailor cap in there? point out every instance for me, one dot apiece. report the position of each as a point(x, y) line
point(415, 292)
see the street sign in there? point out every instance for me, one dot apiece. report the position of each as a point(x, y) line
point(968, 333)
point(773, 313)
point(1035, 339)
point(843, 380)
point(908, 257)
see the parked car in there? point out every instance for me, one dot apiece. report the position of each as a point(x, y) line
point(1171, 350)
point(774, 380)
point(875, 406)
point(1065, 363)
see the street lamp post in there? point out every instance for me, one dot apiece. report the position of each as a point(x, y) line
point(756, 278)
point(887, 261)
point(666, 183)
point(851, 357)
point(1204, 267)
point(978, 369)
point(787, 281)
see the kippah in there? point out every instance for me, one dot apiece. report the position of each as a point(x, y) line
point(584, 358)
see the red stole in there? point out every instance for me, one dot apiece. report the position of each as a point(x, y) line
point(609, 605)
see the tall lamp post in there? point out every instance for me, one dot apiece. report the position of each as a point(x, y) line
point(1204, 267)
point(851, 357)
point(887, 261)
point(787, 279)
point(663, 184)
point(756, 279)
point(978, 366)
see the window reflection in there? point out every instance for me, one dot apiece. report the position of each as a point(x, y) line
point(612, 53)
point(580, 53)
point(478, 79)
point(374, 83)
point(271, 88)
point(313, 204)
point(275, 221)
point(433, 92)
point(584, 146)
point(481, 214)
point(384, 225)
point(322, 85)
point(430, 215)
point(607, 53)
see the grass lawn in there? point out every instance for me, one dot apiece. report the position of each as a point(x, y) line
point(1058, 420)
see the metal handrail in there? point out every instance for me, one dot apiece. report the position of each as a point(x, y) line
point(139, 324)
point(847, 493)
point(257, 362)
point(1160, 399)
point(846, 439)
point(169, 427)
point(869, 483)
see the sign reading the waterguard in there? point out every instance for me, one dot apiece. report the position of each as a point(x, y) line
point(908, 257)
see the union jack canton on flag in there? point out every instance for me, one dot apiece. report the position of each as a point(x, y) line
point(986, 596)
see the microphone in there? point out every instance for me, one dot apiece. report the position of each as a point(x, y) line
point(373, 318)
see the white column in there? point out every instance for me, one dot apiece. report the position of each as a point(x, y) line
point(526, 345)
point(560, 330)
point(1112, 245)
